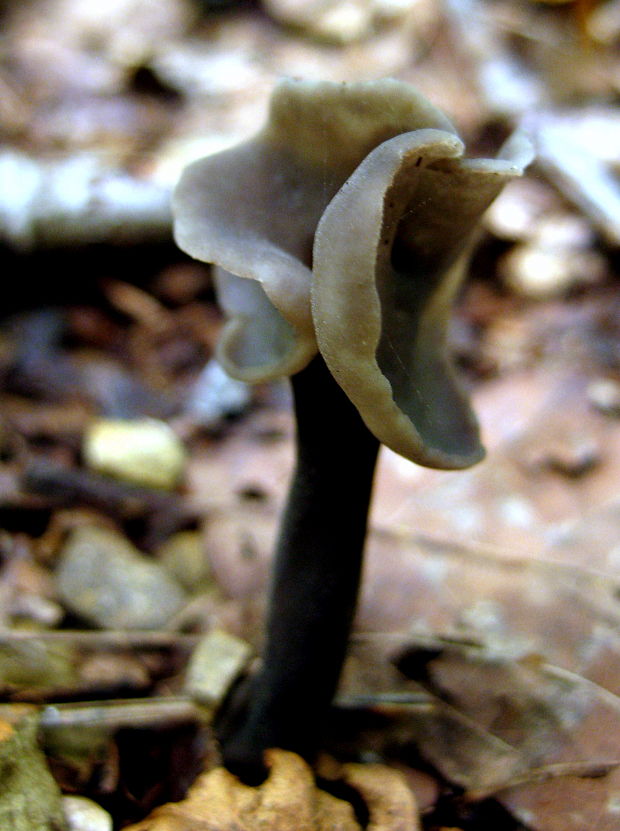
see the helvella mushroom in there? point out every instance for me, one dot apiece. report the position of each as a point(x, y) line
point(340, 234)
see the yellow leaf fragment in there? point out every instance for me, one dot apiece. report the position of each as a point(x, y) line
point(6, 731)
point(288, 800)
point(389, 800)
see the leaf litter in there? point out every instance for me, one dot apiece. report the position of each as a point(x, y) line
point(486, 653)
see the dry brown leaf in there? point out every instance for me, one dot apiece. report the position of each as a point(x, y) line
point(288, 800)
point(387, 797)
point(530, 733)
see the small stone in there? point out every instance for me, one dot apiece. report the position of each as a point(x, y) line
point(103, 579)
point(337, 21)
point(36, 609)
point(216, 663)
point(128, 33)
point(564, 230)
point(539, 272)
point(105, 671)
point(603, 23)
point(604, 395)
point(215, 395)
point(85, 815)
point(483, 615)
point(574, 458)
point(520, 207)
point(183, 555)
point(145, 452)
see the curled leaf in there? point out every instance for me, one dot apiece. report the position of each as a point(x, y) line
point(288, 800)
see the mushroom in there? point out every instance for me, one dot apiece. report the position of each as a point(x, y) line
point(340, 235)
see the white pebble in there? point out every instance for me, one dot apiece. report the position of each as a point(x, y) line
point(145, 452)
point(85, 815)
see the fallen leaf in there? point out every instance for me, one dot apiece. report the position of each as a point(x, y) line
point(29, 796)
point(289, 800)
point(388, 799)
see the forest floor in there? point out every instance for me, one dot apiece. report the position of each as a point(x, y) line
point(485, 663)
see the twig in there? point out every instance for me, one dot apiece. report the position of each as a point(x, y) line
point(405, 702)
point(113, 715)
point(69, 486)
point(579, 171)
point(108, 639)
point(581, 770)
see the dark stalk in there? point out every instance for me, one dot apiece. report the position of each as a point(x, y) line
point(316, 578)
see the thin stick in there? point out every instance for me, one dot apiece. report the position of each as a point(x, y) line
point(134, 712)
point(108, 639)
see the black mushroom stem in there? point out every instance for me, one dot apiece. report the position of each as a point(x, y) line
point(316, 578)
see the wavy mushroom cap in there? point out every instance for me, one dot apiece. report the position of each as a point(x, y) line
point(389, 256)
point(357, 195)
point(253, 210)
